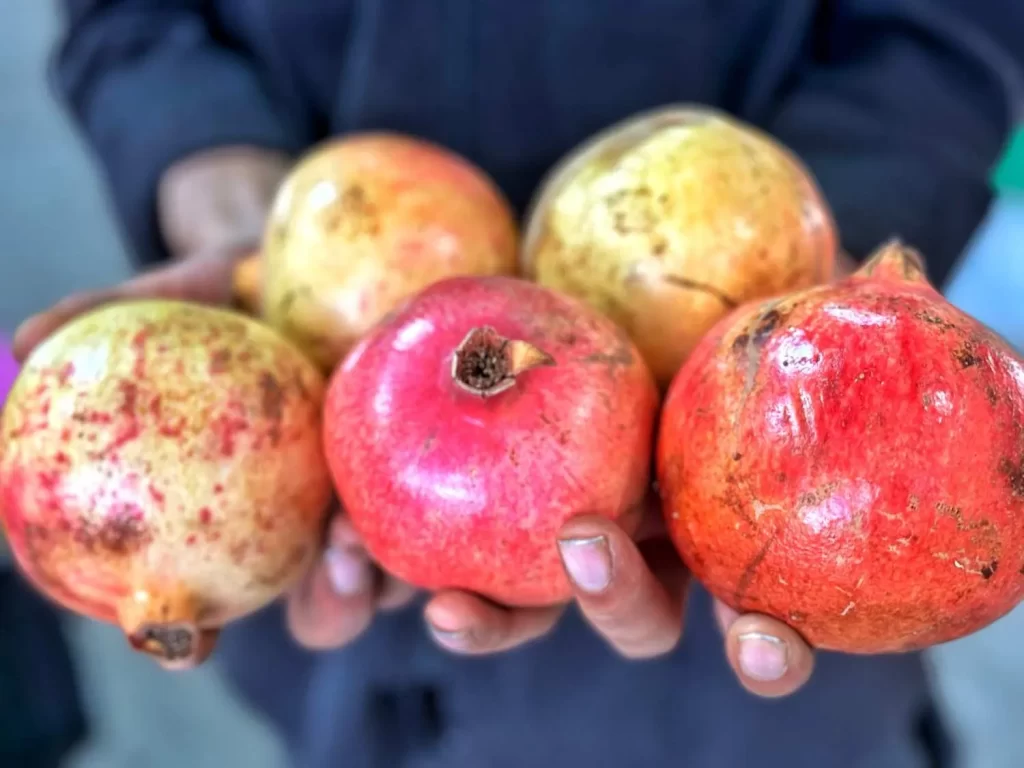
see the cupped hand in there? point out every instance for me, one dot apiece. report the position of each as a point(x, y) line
point(632, 591)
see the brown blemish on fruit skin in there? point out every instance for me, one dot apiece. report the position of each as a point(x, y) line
point(122, 531)
point(966, 356)
point(695, 285)
point(140, 439)
point(1014, 473)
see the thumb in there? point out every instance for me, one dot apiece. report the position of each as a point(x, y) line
point(206, 279)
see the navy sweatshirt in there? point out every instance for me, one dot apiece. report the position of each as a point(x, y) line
point(899, 107)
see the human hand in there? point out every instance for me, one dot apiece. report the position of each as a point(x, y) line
point(211, 207)
point(632, 592)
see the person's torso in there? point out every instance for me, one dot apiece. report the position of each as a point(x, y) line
point(514, 85)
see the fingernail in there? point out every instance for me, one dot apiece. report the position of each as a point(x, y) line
point(762, 657)
point(350, 575)
point(451, 638)
point(588, 562)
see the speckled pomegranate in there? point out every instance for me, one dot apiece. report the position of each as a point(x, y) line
point(850, 459)
point(466, 429)
point(670, 219)
point(365, 221)
point(162, 470)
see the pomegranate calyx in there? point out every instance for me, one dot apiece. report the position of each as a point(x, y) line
point(893, 260)
point(161, 623)
point(167, 642)
point(486, 363)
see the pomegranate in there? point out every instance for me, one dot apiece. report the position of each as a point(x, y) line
point(162, 469)
point(671, 218)
point(365, 221)
point(467, 428)
point(850, 459)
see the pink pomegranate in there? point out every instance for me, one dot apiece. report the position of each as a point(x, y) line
point(850, 459)
point(162, 470)
point(468, 427)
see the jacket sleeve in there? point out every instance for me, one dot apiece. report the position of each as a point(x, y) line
point(901, 109)
point(148, 84)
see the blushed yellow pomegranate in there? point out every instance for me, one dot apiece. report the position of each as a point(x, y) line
point(366, 221)
point(162, 469)
point(672, 218)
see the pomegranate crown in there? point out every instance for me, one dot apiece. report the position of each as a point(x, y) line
point(894, 261)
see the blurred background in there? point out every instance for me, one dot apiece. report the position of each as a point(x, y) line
point(56, 236)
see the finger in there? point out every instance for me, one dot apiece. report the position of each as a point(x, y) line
point(639, 613)
point(465, 623)
point(724, 616)
point(203, 279)
point(769, 657)
point(394, 593)
point(334, 603)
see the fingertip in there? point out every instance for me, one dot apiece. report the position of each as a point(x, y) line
point(769, 658)
point(28, 335)
point(465, 623)
point(724, 616)
point(636, 612)
point(343, 534)
point(593, 526)
point(333, 603)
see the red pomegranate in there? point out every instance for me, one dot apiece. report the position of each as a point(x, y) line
point(161, 469)
point(850, 459)
point(469, 426)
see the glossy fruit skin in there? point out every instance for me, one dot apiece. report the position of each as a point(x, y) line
point(452, 490)
point(670, 219)
point(367, 220)
point(850, 459)
point(162, 461)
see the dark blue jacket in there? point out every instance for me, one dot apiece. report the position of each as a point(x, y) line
point(899, 107)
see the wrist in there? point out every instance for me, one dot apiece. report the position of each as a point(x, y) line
point(218, 200)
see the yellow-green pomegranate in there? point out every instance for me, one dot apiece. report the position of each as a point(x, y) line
point(672, 218)
point(368, 220)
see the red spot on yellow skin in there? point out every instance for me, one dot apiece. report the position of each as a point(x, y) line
point(205, 516)
point(219, 361)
